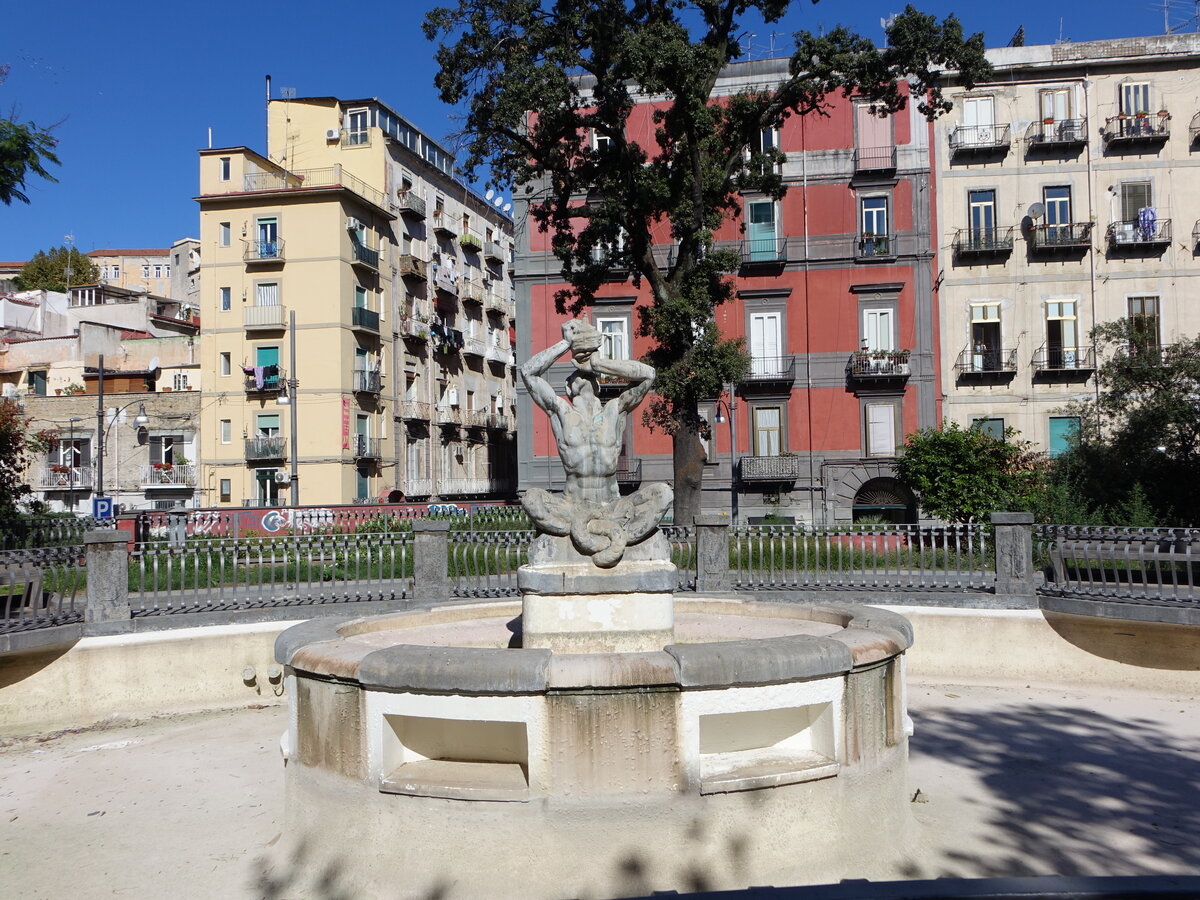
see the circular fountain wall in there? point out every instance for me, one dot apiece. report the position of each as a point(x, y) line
point(428, 752)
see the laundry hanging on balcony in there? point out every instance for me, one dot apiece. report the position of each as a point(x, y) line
point(1147, 222)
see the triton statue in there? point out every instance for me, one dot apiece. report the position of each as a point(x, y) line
point(590, 435)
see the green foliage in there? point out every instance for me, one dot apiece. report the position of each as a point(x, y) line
point(965, 474)
point(24, 148)
point(540, 79)
point(17, 442)
point(48, 270)
point(1137, 456)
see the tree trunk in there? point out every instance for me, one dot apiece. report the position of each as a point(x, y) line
point(688, 457)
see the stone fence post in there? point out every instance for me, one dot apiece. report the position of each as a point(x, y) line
point(431, 554)
point(107, 559)
point(712, 553)
point(1014, 555)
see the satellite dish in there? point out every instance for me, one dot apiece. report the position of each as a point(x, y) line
point(490, 194)
point(1037, 210)
point(507, 207)
point(153, 364)
point(498, 201)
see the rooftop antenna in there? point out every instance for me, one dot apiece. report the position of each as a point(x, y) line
point(1018, 38)
point(209, 137)
point(1061, 39)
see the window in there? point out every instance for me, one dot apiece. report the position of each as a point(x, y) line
point(226, 431)
point(1057, 201)
point(267, 229)
point(761, 230)
point(266, 489)
point(224, 165)
point(978, 121)
point(226, 299)
point(766, 344)
point(145, 271)
point(362, 482)
point(986, 344)
point(1062, 430)
point(180, 381)
point(266, 293)
point(600, 142)
point(874, 221)
point(993, 427)
point(1145, 333)
point(981, 208)
point(158, 271)
point(614, 336)
point(267, 358)
point(37, 382)
point(1055, 104)
point(1062, 350)
point(75, 453)
point(1137, 214)
point(874, 143)
point(226, 363)
point(114, 273)
point(166, 448)
point(357, 121)
point(1135, 98)
point(878, 330)
point(768, 430)
point(223, 236)
point(360, 297)
point(267, 424)
point(226, 490)
point(881, 429)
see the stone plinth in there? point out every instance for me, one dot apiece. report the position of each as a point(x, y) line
point(578, 608)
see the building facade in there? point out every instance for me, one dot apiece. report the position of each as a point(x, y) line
point(835, 302)
point(147, 270)
point(1068, 196)
point(351, 275)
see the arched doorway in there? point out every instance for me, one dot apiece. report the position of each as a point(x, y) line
point(885, 501)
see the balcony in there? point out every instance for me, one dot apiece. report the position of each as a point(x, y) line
point(499, 305)
point(367, 381)
point(165, 476)
point(447, 415)
point(410, 203)
point(1064, 363)
point(413, 267)
point(265, 447)
point(980, 139)
point(364, 319)
point(983, 243)
point(58, 477)
point(493, 251)
point(265, 317)
point(471, 242)
point(308, 180)
point(365, 257)
point(1073, 237)
point(445, 279)
point(875, 159)
point(414, 411)
point(875, 247)
point(1057, 135)
point(265, 502)
point(417, 487)
point(473, 346)
point(1196, 235)
point(470, 290)
point(462, 487)
point(769, 468)
point(1129, 131)
point(415, 328)
point(1000, 362)
point(501, 354)
point(364, 446)
point(262, 252)
point(764, 251)
point(499, 422)
point(475, 418)
point(629, 472)
point(443, 225)
point(878, 365)
point(768, 372)
point(1144, 234)
point(269, 381)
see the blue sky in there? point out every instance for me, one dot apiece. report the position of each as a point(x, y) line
point(136, 87)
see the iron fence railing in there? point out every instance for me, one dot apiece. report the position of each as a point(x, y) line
point(1145, 565)
point(24, 532)
point(1057, 133)
point(294, 570)
point(965, 138)
point(1145, 231)
point(485, 563)
point(41, 587)
point(791, 557)
point(1067, 235)
point(682, 539)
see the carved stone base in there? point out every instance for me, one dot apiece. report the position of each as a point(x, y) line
point(579, 608)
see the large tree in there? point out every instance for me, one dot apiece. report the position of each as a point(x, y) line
point(48, 270)
point(17, 441)
point(541, 76)
point(24, 148)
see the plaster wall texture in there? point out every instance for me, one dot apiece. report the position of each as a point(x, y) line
point(598, 623)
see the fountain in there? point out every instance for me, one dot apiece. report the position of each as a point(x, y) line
point(601, 737)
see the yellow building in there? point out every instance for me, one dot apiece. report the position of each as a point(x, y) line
point(1067, 196)
point(352, 242)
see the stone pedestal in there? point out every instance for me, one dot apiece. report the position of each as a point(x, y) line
point(579, 608)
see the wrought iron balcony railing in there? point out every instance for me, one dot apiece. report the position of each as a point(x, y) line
point(1060, 133)
point(1143, 232)
point(265, 447)
point(265, 383)
point(1052, 358)
point(417, 487)
point(983, 242)
point(499, 421)
point(414, 410)
point(330, 176)
point(764, 250)
point(1141, 128)
point(876, 246)
point(413, 267)
point(878, 364)
point(475, 418)
point(167, 475)
point(979, 362)
point(367, 381)
point(630, 472)
point(772, 369)
point(1068, 236)
point(411, 203)
point(875, 159)
point(769, 468)
point(263, 251)
point(978, 138)
point(59, 477)
point(364, 446)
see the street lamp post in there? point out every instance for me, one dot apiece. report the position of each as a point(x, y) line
point(730, 406)
point(70, 466)
point(102, 434)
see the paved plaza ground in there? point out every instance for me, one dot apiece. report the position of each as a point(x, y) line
point(1012, 780)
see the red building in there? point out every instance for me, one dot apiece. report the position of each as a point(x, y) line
point(835, 298)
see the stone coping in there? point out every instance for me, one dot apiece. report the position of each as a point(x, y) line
point(868, 636)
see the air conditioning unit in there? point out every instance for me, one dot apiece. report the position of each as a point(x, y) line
point(352, 224)
point(283, 477)
point(452, 397)
point(333, 134)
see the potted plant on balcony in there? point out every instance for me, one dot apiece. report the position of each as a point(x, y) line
point(60, 472)
point(164, 471)
point(470, 242)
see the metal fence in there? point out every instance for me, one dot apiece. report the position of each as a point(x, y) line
point(1146, 565)
point(40, 587)
point(296, 570)
point(27, 532)
point(792, 557)
point(682, 539)
point(485, 563)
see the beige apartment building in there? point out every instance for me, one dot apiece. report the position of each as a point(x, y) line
point(1068, 194)
point(356, 308)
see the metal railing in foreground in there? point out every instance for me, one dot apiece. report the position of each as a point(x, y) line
point(682, 539)
point(485, 563)
point(791, 557)
point(296, 570)
point(1143, 565)
point(41, 586)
